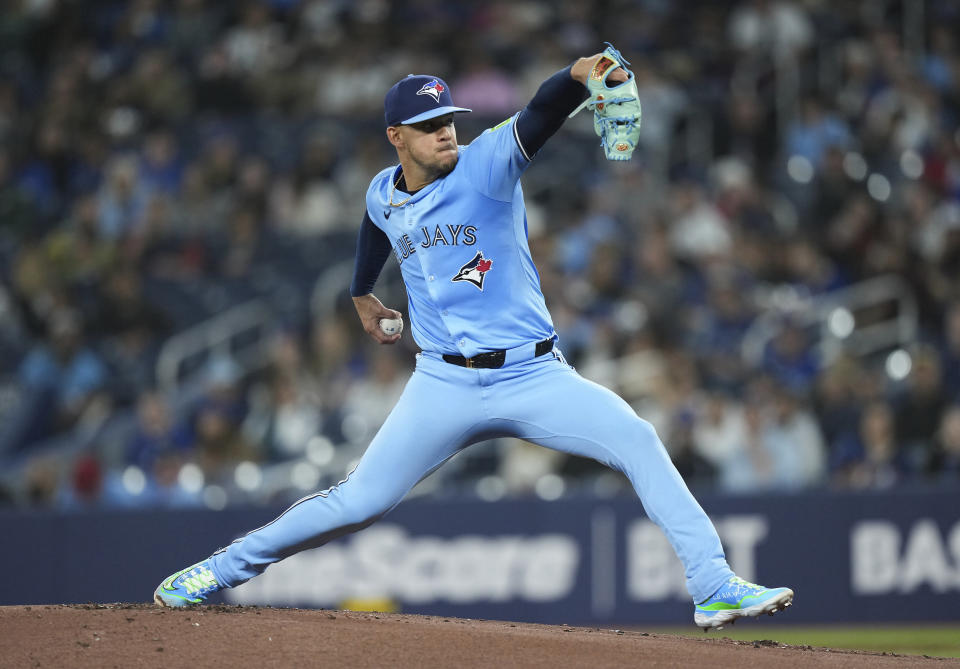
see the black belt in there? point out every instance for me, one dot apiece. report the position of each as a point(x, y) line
point(493, 359)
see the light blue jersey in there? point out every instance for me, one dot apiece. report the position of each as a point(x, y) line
point(462, 246)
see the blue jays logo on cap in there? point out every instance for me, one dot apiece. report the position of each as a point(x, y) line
point(432, 88)
point(475, 270)
point(418, 97)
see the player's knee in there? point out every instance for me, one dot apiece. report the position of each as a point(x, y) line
point(645, 432)
point(632, 441)
point(367, 510)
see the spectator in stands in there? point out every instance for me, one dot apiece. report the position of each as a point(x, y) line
point(122, 199)
point(766, 28)
point(83, 489)
point(807, 269)
point(255, 45)
point(157, 435)
point(65, 372)
point(858, 78)
point(872, 460)
point(947, 455)
point(9, 108)
point(752, 466)
point(17, 214)
point(131, 329)
point(161, 165)
point(253, 185)
point(663, 284)
point(368, 401)
point(41, 482)
point(331, 360)
point(836, 405)
point(815, 132)
point(286, 405)
point(718, 331)
point(834, 189)
point(919, 408)
point(950, 350)
point(66, 265)
point(720, 428)
point(781, 447)
point(943, 273)
point(790, 359)
point(849, 234)
point(800, 443)
point(158, 88)
point(241, 244)
point(219, 442)
point(199, 210)
point(742, 129)
point(523, 464)
point(43, 176)
point(193, 26)
point(686, 451)
point(356, 86)
point(308, 202)
point(699, 232)
point(219, 88)
point(282, 418)
point(220, 162)
point(664, 104)
point(486, 88)
point(217, 418)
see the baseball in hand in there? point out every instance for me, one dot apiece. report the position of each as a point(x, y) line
point(391, 326)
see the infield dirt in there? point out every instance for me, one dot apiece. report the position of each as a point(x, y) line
point(143, 635)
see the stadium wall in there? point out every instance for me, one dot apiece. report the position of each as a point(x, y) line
point(865, 557)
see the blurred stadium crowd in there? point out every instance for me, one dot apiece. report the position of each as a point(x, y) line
point(162, 161)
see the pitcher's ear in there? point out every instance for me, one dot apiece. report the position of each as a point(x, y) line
point(394, 136)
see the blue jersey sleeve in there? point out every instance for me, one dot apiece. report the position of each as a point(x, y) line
point(495, 160)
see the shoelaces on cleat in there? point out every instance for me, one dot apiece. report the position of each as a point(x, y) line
point(201, 582)
point(739, 587)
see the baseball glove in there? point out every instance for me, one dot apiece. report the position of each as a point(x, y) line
point(616, 109)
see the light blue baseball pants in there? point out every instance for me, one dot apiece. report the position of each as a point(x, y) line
point(540, 399)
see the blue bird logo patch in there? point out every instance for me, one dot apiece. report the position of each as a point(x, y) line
point(475, 270)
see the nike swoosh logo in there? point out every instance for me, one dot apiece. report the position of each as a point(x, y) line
point(387, 213)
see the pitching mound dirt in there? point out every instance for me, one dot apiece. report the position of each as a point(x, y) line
point(142, 635)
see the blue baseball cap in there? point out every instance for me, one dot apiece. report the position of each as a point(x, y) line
point(418, 97)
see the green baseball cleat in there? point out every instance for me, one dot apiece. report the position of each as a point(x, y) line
point(188, 587)
point(739, 599)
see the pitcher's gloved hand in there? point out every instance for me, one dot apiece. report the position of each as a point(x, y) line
point(615, 106)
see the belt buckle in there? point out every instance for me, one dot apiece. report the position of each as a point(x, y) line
point(469, 363)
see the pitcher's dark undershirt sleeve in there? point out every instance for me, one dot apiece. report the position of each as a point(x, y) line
point(555, 99)
point(373, 248)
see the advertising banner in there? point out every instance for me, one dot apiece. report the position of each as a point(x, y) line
point(872, 557)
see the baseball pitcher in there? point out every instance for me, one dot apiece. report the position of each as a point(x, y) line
point(490, 364)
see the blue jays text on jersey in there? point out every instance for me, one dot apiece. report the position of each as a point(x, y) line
point(404, 247)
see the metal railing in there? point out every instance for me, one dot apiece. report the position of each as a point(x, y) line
point(240, 333)
point(832, 317)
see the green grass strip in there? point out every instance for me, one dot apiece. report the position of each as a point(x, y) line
point(907, 639)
